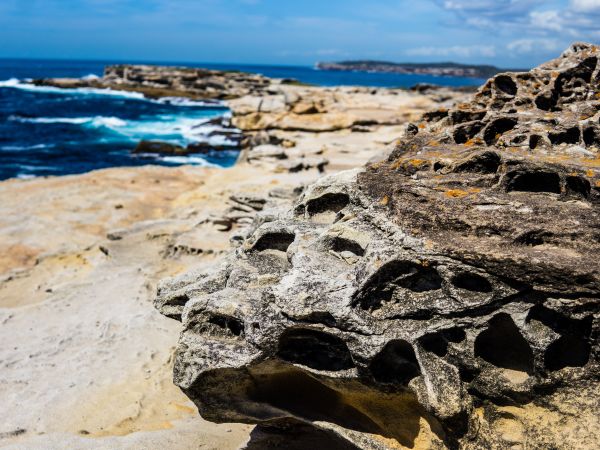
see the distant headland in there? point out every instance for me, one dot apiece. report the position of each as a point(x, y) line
point(449, 69)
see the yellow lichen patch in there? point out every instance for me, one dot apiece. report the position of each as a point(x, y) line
point(422, 125)
point(593, 162)
point(459, 193)
point(590, 173)
point(385, 200)
point(433, 143)
point(377, 165)
point(472, 142)
point(418, 163)
point(456, 193)
point(396, 164)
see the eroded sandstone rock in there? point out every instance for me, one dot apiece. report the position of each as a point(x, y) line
point(446, 297)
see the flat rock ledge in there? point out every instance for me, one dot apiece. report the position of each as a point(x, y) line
point(446, 297)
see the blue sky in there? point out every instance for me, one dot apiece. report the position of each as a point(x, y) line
point(508, 33)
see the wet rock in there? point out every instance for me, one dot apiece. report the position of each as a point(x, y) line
point(159, 147)
point(447, 297)
point(205, 147)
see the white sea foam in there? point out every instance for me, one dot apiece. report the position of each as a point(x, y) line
point(72, 120)
point(97, 121)
point(182, 101)
point(176, 101)
point(18, 148)
point(192, 160)
point(25, 176)
point(19, 84)
point(109, 122)
point(175, 129)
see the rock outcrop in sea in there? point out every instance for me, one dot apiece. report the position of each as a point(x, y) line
point(445, 297)
point(165, 81)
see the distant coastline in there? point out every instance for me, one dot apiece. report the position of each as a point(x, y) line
point(448, 69)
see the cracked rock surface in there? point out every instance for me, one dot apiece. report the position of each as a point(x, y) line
point(446, 297)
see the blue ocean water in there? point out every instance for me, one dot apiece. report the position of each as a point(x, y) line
point(48, 131)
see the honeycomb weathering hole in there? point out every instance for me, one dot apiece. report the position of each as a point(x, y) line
point(463, 133)
point(437, 343)
point(570, 136)
point(534, 181)
point(471, 282)
point(396, 363)
point(393, 275)
point(506, 84)
point(332, 202)
point(487, 162)
point(274, 241)
point(535, 141)
point(339, 244)
point(497, 128)
point(315, 349)
point(591, 136)
point(569, 350)
point(578, 185)
point(546, 101)
point(533, 238)
point(502, 345)
point(572, 348)
point(229, 324)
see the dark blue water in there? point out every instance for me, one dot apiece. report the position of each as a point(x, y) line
point(16, 68)
point(49, 131)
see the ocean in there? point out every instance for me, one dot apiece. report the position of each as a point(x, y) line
point(47, 131)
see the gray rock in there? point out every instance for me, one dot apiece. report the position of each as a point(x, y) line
point(447, 297)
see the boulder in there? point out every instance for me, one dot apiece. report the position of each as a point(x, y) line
point(447, 297)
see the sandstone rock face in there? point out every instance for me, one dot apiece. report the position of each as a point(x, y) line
point(447, 297)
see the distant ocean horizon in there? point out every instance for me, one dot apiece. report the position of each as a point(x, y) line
point(48, 131)
point(48, 68)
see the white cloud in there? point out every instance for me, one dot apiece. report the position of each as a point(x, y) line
point(534, 25)
point(462, 51)
point(546, 20)
point(585, 5)
point(527, 46)
point(490, 8)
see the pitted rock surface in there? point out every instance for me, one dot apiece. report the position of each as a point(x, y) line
point(447, 297)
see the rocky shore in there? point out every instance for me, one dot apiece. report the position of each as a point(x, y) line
point(382, 269)
point(81, 257)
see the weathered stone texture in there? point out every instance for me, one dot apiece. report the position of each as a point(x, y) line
point(447, 297)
